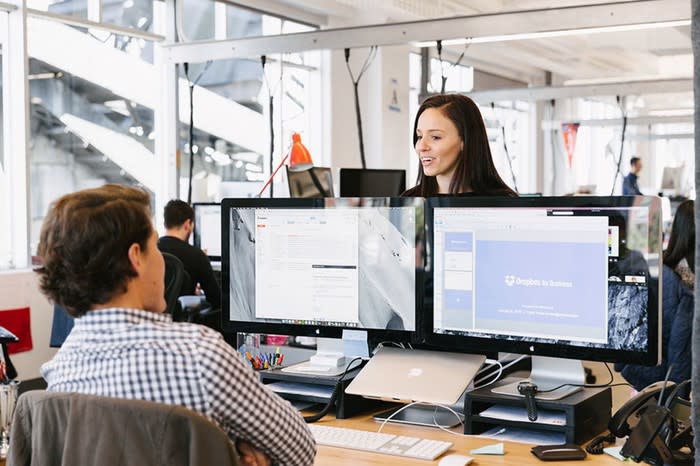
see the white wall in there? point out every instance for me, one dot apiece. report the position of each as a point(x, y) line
point(21, 289)
point(386, 139)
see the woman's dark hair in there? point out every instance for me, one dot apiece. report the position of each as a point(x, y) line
point(176, 212)
point(681, 244)
point(475, 170)
point(84, 244)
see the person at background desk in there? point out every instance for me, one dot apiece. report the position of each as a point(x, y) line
point(629, 183)
point(678, 305)
point(102, 265)
point(450, 139)
point(179, 223)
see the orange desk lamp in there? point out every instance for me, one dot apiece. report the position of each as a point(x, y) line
point(299, 160)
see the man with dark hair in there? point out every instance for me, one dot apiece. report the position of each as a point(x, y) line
point(629, 183)
point(100, 262)
point(179, 223)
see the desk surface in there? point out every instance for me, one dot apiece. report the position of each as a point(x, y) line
point(516, 453)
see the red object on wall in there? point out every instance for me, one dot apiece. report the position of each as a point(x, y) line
point(569, 131)
point(18, 322)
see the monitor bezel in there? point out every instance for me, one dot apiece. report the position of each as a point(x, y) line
point(477, 344)
point(234, 326)
point(359, 171)
point(196, 241)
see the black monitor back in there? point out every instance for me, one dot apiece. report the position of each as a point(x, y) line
point(315, 182)
point(364, 182)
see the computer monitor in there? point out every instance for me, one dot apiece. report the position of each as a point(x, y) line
point(317, 267)
point(567, 277)
point(358, 182)
point(315, 182)
point(671, 178)
point(207, 229)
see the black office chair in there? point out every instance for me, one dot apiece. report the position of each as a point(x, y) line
point(175, 276)
point(197, 310)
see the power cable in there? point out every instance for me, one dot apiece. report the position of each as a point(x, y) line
point(355, 81)
point(191, 84)
point(622, 143)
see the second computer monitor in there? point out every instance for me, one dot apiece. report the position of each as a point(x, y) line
point(573, 277)
point(363, 182)
point(315, 182)
point(207, 228)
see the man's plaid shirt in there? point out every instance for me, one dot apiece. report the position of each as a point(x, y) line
point(129, 353)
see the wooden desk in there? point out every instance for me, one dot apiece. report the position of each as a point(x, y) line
point(516, 453)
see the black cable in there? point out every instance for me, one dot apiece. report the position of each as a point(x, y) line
point(338, 386)
point(443, 78)
point(191, 133)
point(263, 60)
point(622, 143)
point(191, 85)
point(355, 82)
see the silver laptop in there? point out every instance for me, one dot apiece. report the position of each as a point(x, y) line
point(406, 375)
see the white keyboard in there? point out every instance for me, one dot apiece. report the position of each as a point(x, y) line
point(378, 442)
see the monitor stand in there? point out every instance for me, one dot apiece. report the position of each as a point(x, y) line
point(548, 373)
point(328, 361)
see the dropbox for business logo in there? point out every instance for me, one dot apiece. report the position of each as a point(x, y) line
point(510, 280)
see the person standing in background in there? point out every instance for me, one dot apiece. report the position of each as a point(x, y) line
point(629, 183)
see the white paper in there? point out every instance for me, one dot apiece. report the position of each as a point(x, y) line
point(524, 435)
point(517, 413)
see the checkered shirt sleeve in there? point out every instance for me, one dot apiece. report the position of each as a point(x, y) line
point(246, 409)
point(135, 354)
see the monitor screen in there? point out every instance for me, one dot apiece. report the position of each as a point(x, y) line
point(571, 277)
point(207, 229)
point(318, 266)
point(371, 182)
point(315, 182)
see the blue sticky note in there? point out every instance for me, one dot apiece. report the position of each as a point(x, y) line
point(494, 449)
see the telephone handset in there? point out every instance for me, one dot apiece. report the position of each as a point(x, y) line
point(620, 425)
point(627, 417)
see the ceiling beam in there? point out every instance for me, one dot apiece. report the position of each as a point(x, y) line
point(660, 86)
point(507, 23)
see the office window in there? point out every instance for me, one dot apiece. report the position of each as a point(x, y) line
point(91, 123)
point(136, 14)
point(230, 145)
point(77, 8)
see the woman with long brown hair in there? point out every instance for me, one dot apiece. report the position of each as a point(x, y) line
point(450, 139)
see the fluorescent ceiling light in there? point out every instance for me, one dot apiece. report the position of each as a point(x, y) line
point(624, 79)
point(672, 112)
point(561, 33)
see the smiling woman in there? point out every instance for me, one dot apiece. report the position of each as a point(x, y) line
point(453, 149)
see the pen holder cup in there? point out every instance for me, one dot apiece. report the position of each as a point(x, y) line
point(8, 400)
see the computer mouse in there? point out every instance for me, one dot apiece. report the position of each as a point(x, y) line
point(455, 460)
